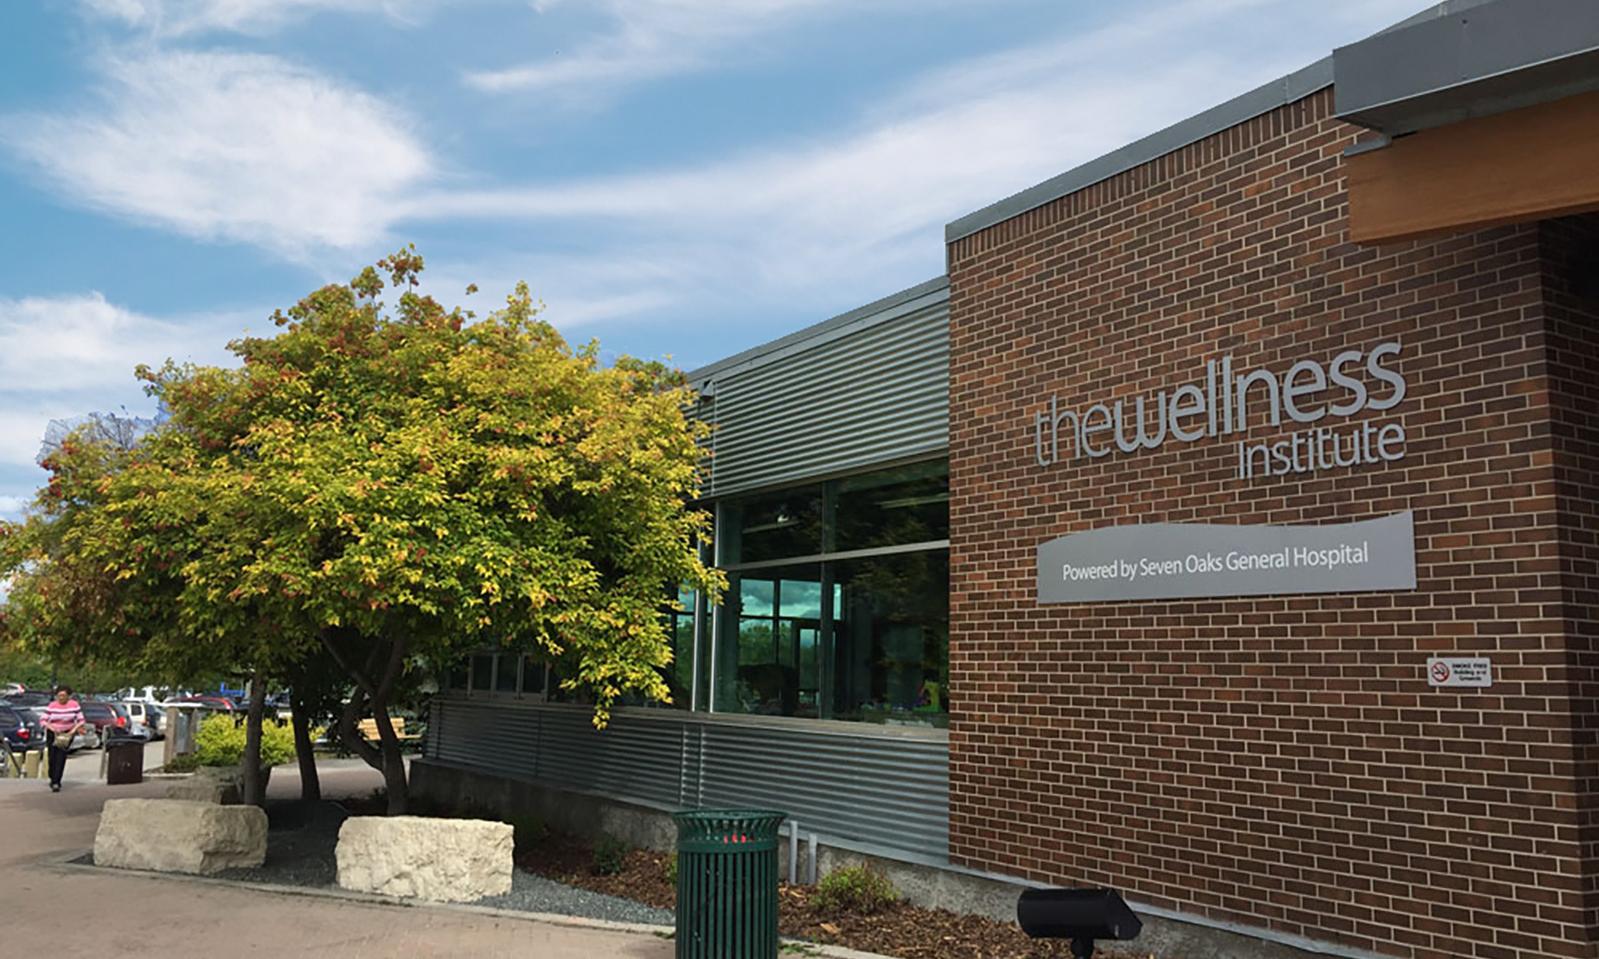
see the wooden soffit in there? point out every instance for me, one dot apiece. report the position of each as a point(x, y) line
point(1527, 164)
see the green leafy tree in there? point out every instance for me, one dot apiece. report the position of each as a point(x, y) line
point(390, 489)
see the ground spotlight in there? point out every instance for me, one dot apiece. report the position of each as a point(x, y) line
point(1081, 915)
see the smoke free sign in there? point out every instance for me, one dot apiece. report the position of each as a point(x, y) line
point(1187, 560)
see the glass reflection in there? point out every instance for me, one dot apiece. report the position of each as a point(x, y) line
point(771, 526)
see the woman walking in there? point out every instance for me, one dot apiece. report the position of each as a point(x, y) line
point(64, 719)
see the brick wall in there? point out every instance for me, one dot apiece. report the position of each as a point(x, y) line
point(1571, 293)
point(1277, 761)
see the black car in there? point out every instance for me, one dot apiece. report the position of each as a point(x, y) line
point(32, 697)
point(20, 730)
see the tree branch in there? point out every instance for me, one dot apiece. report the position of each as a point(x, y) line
point(350, 732)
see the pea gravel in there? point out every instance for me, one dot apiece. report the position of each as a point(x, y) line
point(530, 893)
point(300, 847)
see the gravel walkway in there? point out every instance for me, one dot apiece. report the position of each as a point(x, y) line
point(300, 853)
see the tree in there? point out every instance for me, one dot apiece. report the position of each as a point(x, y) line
point(103, 429)
point(398, 490)
point(96, 571)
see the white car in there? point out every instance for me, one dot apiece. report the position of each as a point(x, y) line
point(11, 689)
point(144, 719)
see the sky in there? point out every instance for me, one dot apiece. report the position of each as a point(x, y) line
point(679, 179)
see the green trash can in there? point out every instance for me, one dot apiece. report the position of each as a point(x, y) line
point(727, 883)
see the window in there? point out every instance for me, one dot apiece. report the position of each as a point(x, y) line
point(533, 675)
point(891, 632)
point(680, 675)
point(505, 666)
point(771, 631)
point(482, 672)
point(894, 507)
point(772, 526)
point(861, 636)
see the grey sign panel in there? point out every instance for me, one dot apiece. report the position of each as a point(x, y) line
point(1187, 560)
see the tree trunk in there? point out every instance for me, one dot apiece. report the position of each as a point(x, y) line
point(254, 789)
point(310, 784)
point(393, 762)
point(375, 688)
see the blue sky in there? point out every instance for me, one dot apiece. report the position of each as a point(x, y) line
point(683, 178)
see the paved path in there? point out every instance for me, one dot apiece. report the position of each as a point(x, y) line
point(130, 916)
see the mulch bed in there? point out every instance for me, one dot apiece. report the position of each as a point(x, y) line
point(898, 930)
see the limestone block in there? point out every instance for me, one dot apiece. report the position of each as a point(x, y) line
point(447, 860)
point(204, 789)
point(218, 784)
point(173, 835)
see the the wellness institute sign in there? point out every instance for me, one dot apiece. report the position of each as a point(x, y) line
point(1185, 560)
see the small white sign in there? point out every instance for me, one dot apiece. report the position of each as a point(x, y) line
point(1459, 671)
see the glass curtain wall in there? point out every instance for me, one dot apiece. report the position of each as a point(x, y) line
point(838, 600)
point(837, 608)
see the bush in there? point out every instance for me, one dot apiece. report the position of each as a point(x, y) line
point(186, 763)
point(530, 832)
point(671, 869)
point(856, 889)
point(220, 742)
point(608, 855)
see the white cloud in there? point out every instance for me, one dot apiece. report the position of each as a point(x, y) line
point(180, 17)
point(848, 210)
point(65, 356)
point(22, 431)
point(72, 343)
point(952, 141)
point(231, 146)
point(649, 39)
point(577, 291)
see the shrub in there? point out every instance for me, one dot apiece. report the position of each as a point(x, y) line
point(671, 869)
point(530, 832)
point(220, 742)
point(187, 763)
point(608, 855)
point(856, 889)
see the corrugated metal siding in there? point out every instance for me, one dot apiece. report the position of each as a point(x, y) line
point(891, 792)
point(864, 396)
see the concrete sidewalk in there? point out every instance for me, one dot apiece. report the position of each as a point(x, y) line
point(134, 916)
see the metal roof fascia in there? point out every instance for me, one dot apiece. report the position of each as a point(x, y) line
point(887, 308)
point(1508, 54)
point(1279, 92)
point(1447, 8)
point(1240, 109)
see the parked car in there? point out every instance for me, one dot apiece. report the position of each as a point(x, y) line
point(20, 730)
point(218, 703)
point(143, 719)
point(90, 739)
point(31, 697)
point(126, 727)
point(105, 719)
point(11, 689)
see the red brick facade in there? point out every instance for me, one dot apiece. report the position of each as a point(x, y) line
point(1281, 761)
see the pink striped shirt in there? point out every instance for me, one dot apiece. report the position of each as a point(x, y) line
point(62, 717)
